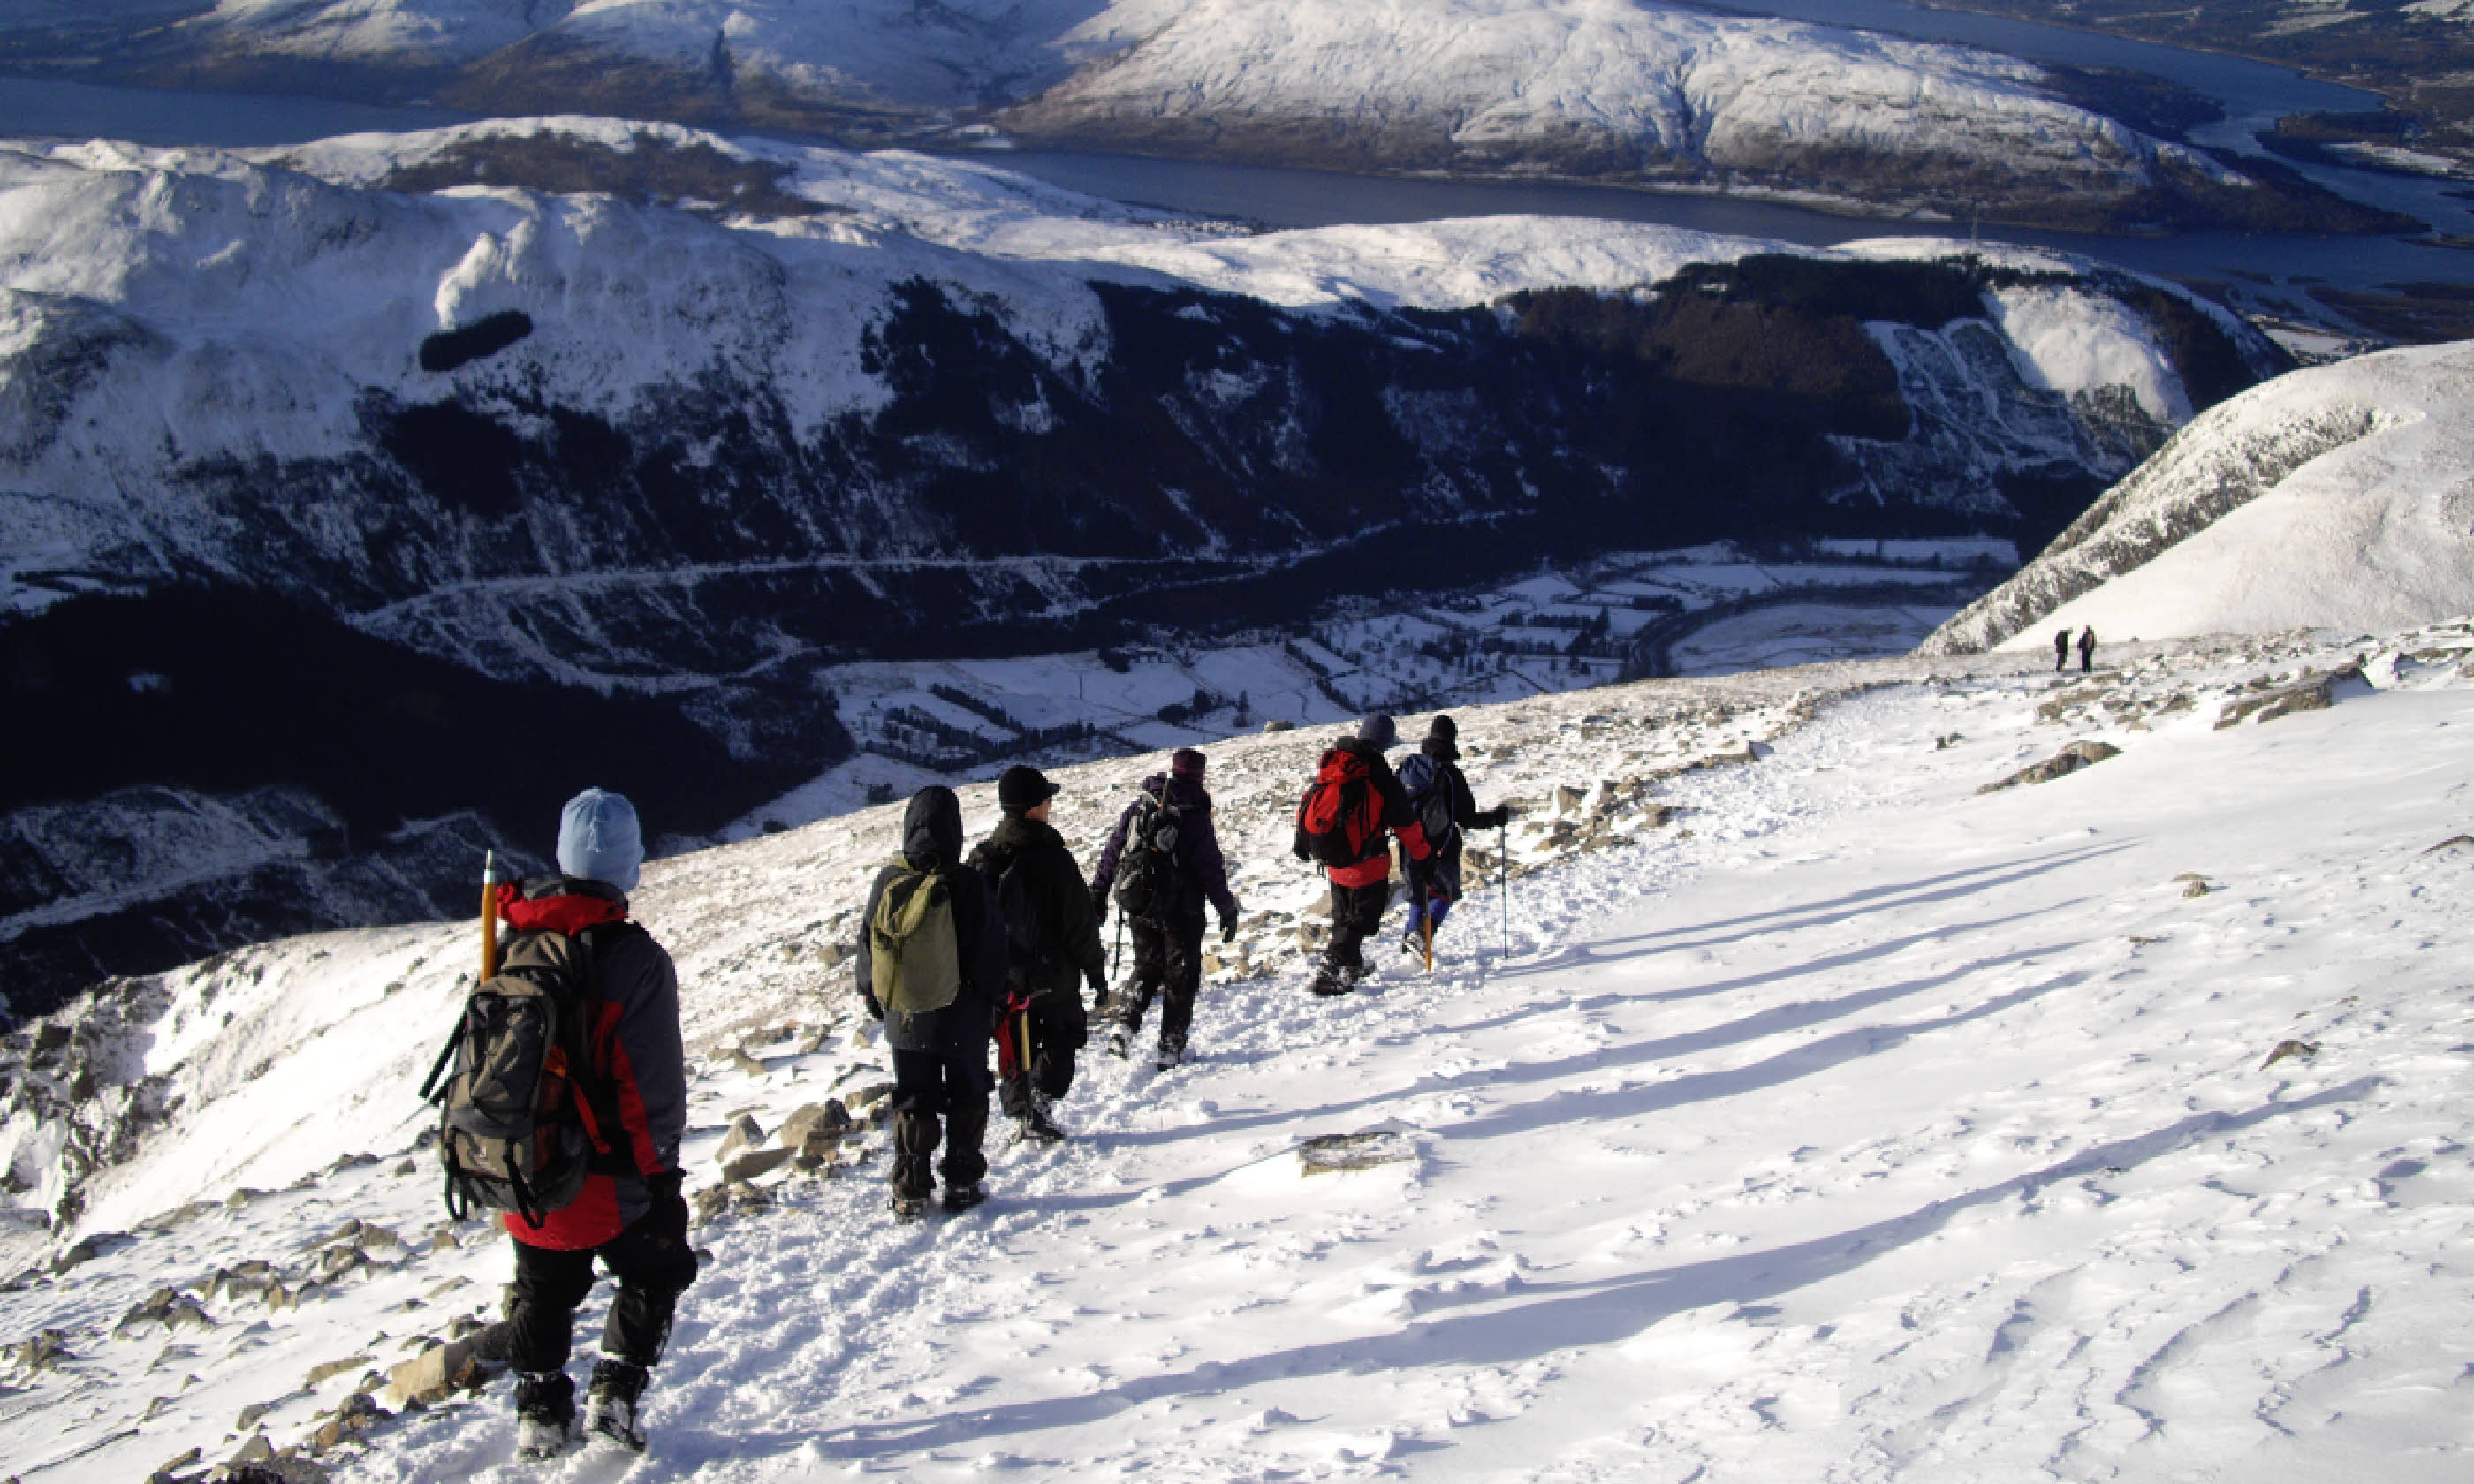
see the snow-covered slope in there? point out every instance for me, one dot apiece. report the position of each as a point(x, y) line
point(2341, 496)
point(703, 419)
point(1845, 1123)
point(1634, 91)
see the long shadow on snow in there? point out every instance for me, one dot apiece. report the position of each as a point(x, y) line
point(1768, 1022)
point(1550, 1316)
point(1621, 1103)
point(1907, 894)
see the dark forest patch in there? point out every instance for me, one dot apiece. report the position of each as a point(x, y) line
point(696, 176)
point(237, 690)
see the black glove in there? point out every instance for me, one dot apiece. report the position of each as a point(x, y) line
point(1228, 927)
point(668, 1217)
point(1099, 906)
point(875, 1011)
point(1299, 851)
point(1098, 981)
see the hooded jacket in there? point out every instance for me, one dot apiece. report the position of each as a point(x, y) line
point(1396, 816)
point(1202, 871)
point(932, 840)
point(632, 1038)
point(1057, 945)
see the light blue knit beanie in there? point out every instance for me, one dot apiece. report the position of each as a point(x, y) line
point(598, 839)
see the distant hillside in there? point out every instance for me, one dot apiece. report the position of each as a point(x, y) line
point(406, 504)
point(1634, 92)
point(2341, 496)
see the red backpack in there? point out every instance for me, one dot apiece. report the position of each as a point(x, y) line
point(1340, 815)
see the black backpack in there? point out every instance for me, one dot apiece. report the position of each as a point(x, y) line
point(523, 1116)
point(1149, 882)
point(1430, 799)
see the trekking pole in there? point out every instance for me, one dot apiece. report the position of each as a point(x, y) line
point(1117, 960)
point(489, 914)
point(1503, 869)
point(1429, 925)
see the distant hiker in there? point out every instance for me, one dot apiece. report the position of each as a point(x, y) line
point(1163, 860)
point(1440, 793)
point(2087, 649)
point(1341, 824)
point(2061, 651)
point(932, 965)
point(629, 1212)
point(1052, 948)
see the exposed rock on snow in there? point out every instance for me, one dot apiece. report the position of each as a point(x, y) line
point(2068, 760)
point(2337, 497)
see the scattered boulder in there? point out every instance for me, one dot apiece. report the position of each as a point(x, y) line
point(2193, 884)
point(755, 1163)
point(1278, 723)
point(865, 1099)
point(2069, 759)
point(169, 1307)
point(1333, 1153)
point(43, 1352)
point(747, 1063)
point(332, 1369)
point(2312, 693)
point(2306, 1049)
point(746, 1133)
point(812, 1133)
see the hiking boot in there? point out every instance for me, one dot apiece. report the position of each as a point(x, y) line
point(544, 1414)
point(1120, 1043)
point(1172, 1053)
point(1035, 1127)
point(610, 1410)
point(961, 1198)
point(907, 1208)
point(1332, 979)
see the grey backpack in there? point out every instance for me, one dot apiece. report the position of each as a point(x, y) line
point(523, 1116)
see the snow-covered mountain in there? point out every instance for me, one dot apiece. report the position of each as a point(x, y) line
point(638, 456)
point(1628, 90)
point(1807, 1110)
point(2338, 498)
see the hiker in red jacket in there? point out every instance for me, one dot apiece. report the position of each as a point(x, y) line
point(1341, 824)
point(630, 1214)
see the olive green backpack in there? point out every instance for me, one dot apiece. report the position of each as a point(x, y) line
point(915, 959)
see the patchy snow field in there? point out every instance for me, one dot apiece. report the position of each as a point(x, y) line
point(1826, 1120)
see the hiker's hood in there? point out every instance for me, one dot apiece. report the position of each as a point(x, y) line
point(1179, 789)
point(931, 828)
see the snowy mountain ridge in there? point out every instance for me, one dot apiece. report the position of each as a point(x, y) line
point(2335, 497)
point(1827, 1111)
point(1624, 90)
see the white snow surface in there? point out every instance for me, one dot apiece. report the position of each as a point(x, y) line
point(2068, 341)
point(2338, 496)
point(1849, 1125)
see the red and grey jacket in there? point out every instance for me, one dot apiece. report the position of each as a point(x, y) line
point(1374, 864)
point(632, 1038)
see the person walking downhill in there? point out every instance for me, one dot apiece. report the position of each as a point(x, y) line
point(2087, 649)
point(1341, 825)
point(932, 965)
point(630, 1213)
point(1052, 948)
point(1164, 861)
point(2061, 651)
point(1440, 793)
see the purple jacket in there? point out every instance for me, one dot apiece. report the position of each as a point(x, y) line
point(1198, 862)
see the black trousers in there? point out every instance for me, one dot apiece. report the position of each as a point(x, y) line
point(1059, 1027)
point(928, 1085)
point(1356, 912)
point(1168, 965)
point(652, 1271)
